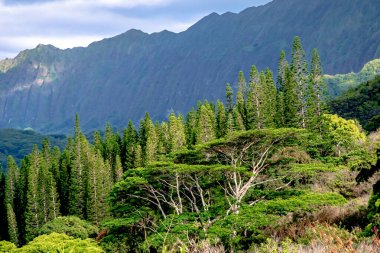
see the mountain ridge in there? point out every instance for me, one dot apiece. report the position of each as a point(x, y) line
point(120, 78)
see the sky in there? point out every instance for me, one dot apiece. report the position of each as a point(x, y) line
point(70, 23)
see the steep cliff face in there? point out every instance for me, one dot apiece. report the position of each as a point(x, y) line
point(121, 78)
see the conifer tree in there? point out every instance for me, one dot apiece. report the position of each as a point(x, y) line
point(12, 180)
point(316, 93)
point(151, 144)
point(98, 142)
point(280, 110)
point(221, 120)
point(190, 126)
point(238, 120)
point(299, 71)
point(282, 75)
point(241, 97)
point(252, 97)
point(111, 148)
point(165, 144)
point(3, 208)
point(98, 184)
point(12, 225)
point(54, 166)
point(33, 213)
point(11, 190)
point(119, 169)
point(270, 94)
point(47, 197)
point(48, 187)
point(281, 71)
point(205, 128)
point(229, 98)
point(78, 173)
point(291, 101)
point(148, 140)
point(128, 155)
point(63, 183)
point(177, 138)
point(259, 102)
point(230, 124)
point(21, 212)
point(138, 156)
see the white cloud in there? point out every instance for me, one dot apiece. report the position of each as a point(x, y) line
point(120, 3)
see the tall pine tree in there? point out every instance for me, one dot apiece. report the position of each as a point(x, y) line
point(316, 105)
point(241, 97)
point(11, 191)
point(299, 71)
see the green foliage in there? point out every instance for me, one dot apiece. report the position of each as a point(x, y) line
point(340, 83)
point(312, 169)
point(170, 186)
point(55, 242)
point(3, 209)
point(19, 143)
point(71, 226)
point(344, 134)
point(271, 246)
point(361, 103)
point(6, 247)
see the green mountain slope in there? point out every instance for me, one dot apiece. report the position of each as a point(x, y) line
point(19, 143)
point(362, 103)
point(342, 82)
point(121, 78)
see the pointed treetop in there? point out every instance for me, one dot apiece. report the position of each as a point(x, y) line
point(77, 130)
point(316, 66)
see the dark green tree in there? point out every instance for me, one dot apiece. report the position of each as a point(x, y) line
point(270, 95)
point(11, 191)
point(298, 67)
point(283, 67)
point(241, 97)
point(177, 136)
point(78, 173)
point(191, 121)
point(317, 89)
point(291, 101)
point(111, 149)
point(252, 98)
point(229, 98)
point(33, 215)
point(130, 139)
point(98, 186)
point(3, 209)
point(205, 128)
point(221, 120)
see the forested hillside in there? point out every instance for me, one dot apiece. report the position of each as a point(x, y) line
point(340, 83)
point(19, 143)
point(268, 163)
point(123, 77)
point(361, 103)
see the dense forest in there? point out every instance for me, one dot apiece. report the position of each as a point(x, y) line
point(340, 83)
point(270, 170)
point(19, 143)
point(362, 103)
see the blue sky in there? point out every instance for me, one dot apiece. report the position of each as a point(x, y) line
point(68, 23)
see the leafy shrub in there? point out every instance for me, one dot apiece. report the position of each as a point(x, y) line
point(6, 247)
point(59, 243)
point(70, 225)
point(272, 246)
